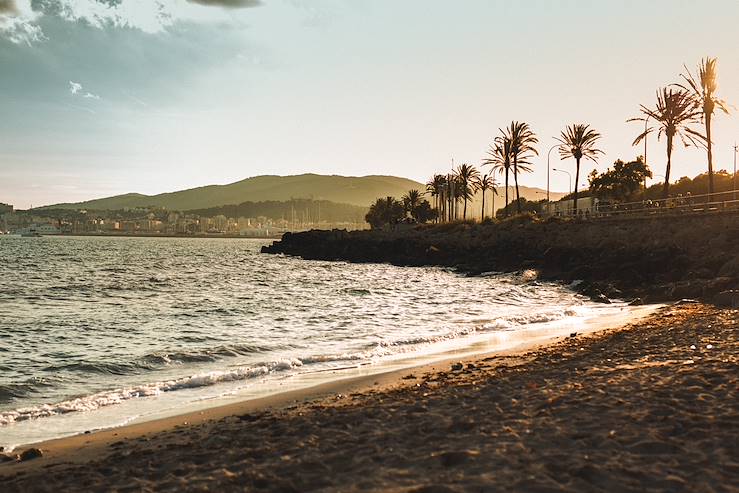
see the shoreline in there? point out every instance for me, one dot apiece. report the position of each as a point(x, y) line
point(312, 385)
point(651, 406)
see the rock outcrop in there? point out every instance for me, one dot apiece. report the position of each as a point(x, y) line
point(654, 259)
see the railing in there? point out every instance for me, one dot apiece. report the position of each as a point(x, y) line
point(680, 204)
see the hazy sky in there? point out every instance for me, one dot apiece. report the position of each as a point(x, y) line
point(100, 97)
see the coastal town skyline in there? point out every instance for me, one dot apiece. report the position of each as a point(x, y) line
point(354, 89)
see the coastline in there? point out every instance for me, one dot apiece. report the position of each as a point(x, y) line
point(447, 397)
point(301, 386)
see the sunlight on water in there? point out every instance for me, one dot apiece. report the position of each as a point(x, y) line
point(88, 324)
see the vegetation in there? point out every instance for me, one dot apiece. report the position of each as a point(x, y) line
point(466, 178)
point(622, 182)
point(521, 140)
point(385, 211)
point(532, 208)
point(484, 183)
point(703, 92)
point(578, 140)
point(675, 110)
point(499, 157)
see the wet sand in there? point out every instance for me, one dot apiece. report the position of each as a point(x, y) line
point(652, 406)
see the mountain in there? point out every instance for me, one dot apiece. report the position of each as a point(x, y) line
point(352, 190)
point(360, 191)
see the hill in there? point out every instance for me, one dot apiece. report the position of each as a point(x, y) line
point(360, 191)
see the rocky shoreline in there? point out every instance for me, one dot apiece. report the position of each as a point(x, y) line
point(641, 259)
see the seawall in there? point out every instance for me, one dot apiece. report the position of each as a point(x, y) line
point(652, 259)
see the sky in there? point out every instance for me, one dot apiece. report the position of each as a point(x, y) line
point(103, 97)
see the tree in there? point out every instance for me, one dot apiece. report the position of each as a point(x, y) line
point(418, 208)
point(621, 182)
point(385, 211)
point(466, 176)
point(411, 200)
point(484, 183)
point(578, 141)
point(437, 187)
point(499, 156)
point(423, 212)
point(522, 141)
point(703, 93)
point(675, 110)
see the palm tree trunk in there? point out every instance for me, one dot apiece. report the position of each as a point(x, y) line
point(710, 157)
point(493, 202)
point(666, 188)
point(506, 192)
point(515, 179)
point(577, 178)
point(464, 211)
point(482, 215)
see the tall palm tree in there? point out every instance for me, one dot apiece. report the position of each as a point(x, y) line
point(499, 156)
point(435, 187)
point(411, 200)
point(484, 183)
point(675, 110)
point(578, 141)
point(522, 140)
point(466, 177)
point(703, 91)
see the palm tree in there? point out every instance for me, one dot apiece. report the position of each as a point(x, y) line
point(500, 158)
point(466, 177)
point(522, 140)
point(411, 200)
point(578, 141)
point(703, 92)
point(675, 110)
point(483, 183)
point(436, 188)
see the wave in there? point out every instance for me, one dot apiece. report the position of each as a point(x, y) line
point(117, 396)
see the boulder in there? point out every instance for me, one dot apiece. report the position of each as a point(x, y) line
point(31, 453)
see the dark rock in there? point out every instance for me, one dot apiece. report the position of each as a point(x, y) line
point(8, 458)
point(31, 453)
point(636, 302)
point(457, 366)
point(573, 334)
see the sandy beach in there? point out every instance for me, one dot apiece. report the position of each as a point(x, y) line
point(652, 406)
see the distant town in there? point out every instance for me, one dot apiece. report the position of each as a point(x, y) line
point(299, 215)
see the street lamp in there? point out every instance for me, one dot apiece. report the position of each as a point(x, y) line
point(646, 120)
point(548, 155)
point(569, 177)
point(736, 149)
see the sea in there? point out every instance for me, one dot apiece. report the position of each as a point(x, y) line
point(99, 332)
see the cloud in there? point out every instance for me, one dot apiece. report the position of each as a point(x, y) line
point(230, 4)
point(8, 7)
point(75, 88)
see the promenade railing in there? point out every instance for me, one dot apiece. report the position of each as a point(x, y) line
point(716, 202)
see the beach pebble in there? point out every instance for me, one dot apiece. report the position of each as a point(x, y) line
point(31, 453)
point(709, 346)
point(692, 346)
point(573, 334)
point(457, 366)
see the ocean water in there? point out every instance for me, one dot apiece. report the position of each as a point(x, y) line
point(99, 331)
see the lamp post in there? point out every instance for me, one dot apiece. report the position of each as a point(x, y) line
point(548, 155)
point(736, 149)
point(646, 120)
point(569, 177)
